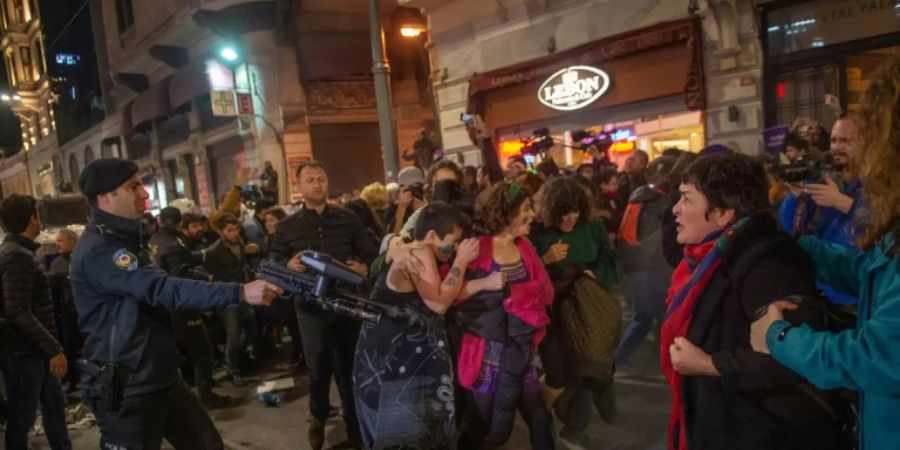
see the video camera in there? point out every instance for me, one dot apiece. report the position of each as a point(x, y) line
point(803, 169)
point(539, 142)
point(317, 285)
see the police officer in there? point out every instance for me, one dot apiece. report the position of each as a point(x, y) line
point(130, 367)
point(169, 251)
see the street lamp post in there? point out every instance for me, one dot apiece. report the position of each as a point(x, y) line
point(381, 71)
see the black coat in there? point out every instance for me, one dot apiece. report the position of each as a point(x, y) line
point(170, 252)
point(28, 324)
point(223, 265)
point(756, 403)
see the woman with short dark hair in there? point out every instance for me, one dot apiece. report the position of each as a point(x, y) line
point(724, 395)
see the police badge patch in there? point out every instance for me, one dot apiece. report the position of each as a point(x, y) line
point(125, 260)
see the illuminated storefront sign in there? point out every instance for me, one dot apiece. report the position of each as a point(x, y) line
point(573, 88)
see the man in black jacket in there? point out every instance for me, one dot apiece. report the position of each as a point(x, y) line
point(32, 359)
point(171, 254)
point(226, 261)
point(339, 233)
point(131, 379)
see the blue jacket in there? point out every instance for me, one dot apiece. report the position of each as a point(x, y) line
point(832, 226)
point(122, 304)
point(866, 359)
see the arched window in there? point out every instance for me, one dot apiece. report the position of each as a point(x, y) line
point(88, 155)
point(73, 169)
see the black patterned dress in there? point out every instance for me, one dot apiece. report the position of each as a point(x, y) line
point(403, 377)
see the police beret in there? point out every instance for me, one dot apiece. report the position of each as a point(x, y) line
point(105, 175)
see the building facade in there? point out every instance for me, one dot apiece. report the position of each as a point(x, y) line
point(295, 84)
point(682, 74)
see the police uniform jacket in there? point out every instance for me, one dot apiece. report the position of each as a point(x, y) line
point(170, 252)
point(122, 301)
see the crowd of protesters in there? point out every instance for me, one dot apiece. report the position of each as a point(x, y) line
point(513, 289)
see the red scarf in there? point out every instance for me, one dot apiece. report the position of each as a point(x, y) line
point(688, 282)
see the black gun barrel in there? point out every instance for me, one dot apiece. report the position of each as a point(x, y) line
point(307, 287)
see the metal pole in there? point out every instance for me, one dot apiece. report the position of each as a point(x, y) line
point(382, 74)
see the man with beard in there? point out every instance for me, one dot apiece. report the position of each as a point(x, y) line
point(827, 209)
point(227, 262)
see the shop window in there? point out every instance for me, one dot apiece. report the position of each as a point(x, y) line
point(860, 68)
point(801, 93)
point(124, 14)
point(815, 24)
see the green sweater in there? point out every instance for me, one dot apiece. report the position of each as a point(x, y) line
point(589, 249)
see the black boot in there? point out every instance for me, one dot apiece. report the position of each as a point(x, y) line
point(316, 434)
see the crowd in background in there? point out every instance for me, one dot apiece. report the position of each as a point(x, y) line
point(515, 290)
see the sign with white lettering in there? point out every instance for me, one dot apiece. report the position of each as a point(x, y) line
point(574, 88)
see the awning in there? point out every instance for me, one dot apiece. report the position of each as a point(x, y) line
point(684, 30)
point(152, 103)
point(188, 83)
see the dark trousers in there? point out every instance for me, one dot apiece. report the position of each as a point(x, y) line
point(194, 342)
point(240, 330)
point(648, 295)
point(30, 385)
point(72, 343)
point(173, 413)
point(286, 316)
point(329, 343)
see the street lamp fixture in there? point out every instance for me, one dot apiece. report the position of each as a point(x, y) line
point(411, 32)
point(409, 21)
point(228, 53)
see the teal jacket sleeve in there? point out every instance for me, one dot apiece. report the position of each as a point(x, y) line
point(865, 359)
point(837, 266)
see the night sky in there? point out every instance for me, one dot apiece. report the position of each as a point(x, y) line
point(55, 15)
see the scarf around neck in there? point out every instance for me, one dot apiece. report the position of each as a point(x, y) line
point(688, 283)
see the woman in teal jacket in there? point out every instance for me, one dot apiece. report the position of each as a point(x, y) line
point(866, 359)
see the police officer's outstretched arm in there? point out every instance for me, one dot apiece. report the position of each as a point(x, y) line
point(121, 274)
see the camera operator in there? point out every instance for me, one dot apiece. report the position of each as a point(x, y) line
point(864, 359)
point(412, 197)
point(329, 340)
point(828, 210)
